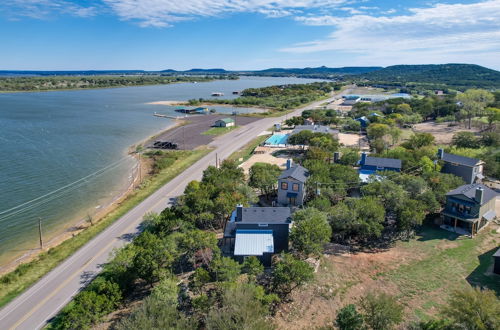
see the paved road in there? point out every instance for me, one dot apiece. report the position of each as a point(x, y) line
point(36, 306)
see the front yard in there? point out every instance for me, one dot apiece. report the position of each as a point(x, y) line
point(421, 273)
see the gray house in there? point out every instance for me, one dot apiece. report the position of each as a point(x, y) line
point(469, 169)
point(257, 231)
point(469, 208)
point(291, 185)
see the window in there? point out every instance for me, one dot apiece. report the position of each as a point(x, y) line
point(295, 187)
point(460, 208)
point(284, 185)
point(467, 209)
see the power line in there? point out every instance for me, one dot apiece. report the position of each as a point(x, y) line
point(57, 192)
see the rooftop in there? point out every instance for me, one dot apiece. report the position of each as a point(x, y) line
point(264, 215)
point(227, 120)
point(469, 190)
point(312, 128)
point(253, 242)
point(296, 172)
point(382, 162)
point(462, 160)
point(497, 254)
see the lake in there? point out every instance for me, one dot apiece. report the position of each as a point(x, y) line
point(64, 153)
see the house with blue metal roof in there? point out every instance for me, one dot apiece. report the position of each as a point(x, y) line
point(257, 231)
point(370, 165)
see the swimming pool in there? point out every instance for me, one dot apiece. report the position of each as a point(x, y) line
point(277, 139)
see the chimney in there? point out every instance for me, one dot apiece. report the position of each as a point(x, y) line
point(239, 212)
point(440, 153)
point(479, 195)
point(336, 157)
point(288, 164)
point(363, 158)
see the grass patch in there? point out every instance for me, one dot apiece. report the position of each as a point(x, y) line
point(15, 282)
point(216, 131)
point(448, 262)
point(246, 151)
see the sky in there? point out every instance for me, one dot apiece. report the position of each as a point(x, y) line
point(245, 35)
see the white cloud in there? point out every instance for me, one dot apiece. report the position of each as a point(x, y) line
point(161, 13)
point(47, 8)
point(452, 32)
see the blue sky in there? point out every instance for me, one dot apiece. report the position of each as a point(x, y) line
point(251, 34)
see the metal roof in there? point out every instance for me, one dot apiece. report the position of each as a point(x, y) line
point(497, 254)
point(296, 172)
point(264, 215)
point(312, 128)
point(383, 162)
point(227, 120)
point(469, 191)
point(253, 242)
point(462, 160)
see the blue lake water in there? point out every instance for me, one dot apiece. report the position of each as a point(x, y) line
point(50, 140)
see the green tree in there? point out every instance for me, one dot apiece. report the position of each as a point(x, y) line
point(473, 102)
point(493, 116)
point(419, 140)
point(225, 269)
point(381, 311)
point(239, 308)
point(252, 266)
point(153, 313)
point(377, 131)
point(310, 231)
point(153, 257)
point(465, 140)
point(409, 215)
point(290, 273)
point(348, 318)
point(264, 177)
point(473, 308)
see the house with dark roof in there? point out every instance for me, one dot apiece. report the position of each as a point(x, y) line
point(291, 185)
point(257, 231)
point(469, 169)
point(469, 208)
point(370, 165)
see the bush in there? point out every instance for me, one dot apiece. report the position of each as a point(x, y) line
point(381, 311)
point(473, 308)
point(290, 273)
point(348, 318)
point(252, 266)
point(465, 140)
point(225, 269)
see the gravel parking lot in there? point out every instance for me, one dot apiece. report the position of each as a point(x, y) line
point(189, 136)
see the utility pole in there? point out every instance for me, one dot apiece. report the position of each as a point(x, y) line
point(40, 232)
point(216, 161)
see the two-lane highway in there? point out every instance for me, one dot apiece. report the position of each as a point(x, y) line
point(37, 305)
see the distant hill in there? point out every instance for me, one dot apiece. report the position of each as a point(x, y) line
point(320, 70)
point(459, 76)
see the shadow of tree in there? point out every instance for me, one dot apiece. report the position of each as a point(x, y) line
point(433, 232)
point(483, 275)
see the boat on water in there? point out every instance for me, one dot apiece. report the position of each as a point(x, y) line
point(217, 94)
point(199, 110)
point(236, 93)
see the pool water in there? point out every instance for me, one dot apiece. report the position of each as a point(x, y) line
point(277, 139)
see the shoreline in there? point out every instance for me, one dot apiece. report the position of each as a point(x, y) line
point(72, 228)
point(208, 104)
